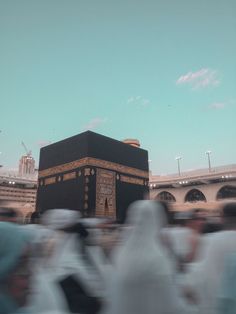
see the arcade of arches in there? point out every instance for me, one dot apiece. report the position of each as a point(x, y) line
point(206, 196)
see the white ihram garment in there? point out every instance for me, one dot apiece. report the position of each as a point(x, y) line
point(142, 282)
point(65, 259)
point(205, 276)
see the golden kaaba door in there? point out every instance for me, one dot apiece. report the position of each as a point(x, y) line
point(106, 193)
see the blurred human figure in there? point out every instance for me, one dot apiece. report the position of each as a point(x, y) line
point(142, 280)
point(102, 240)
point(179, 236)
point(168, 213)
point(167, 225)
point(41, 239)
point(65, 282)
point(35, 218)
point(196, 223)
point(227, 293)
point(205, 276)
point(9, 215)
point(15, 270)
point(109, 239)
point(211, 227)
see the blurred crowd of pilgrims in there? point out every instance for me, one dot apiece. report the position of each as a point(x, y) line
point(157, 262)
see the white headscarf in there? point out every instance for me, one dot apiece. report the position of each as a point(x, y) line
point(60, 218)
point(205, 276)
point(67, 256)
point(142, 281)
point(141, 243)
point(65, 260)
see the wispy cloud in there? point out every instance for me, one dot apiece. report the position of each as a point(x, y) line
point(94, 123)
point(138, 100)
point(200, 79)
point(218, 105)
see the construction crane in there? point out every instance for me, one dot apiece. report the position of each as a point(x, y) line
point(28, 152)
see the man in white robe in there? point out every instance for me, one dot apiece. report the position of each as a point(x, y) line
point(205, 277)
point(227, 294)
point(64, 260)
point(142, 281)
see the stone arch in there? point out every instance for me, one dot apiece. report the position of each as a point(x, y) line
point(226, 192)
point(195, 195)
point(166, 197)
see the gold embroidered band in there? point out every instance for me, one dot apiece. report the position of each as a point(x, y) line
point(90, 161)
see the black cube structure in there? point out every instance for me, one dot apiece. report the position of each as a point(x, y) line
point(92, 173)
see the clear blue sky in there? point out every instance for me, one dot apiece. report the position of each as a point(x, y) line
point(161, 71)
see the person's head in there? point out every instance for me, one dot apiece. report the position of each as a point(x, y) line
point(181, 217)
point(14, 264)
point(66, 220)
point(210, 227)
point(9, 215)
point(146, 215)
point(60, 218)
point(35, 218)
point(168, 212)
point(142, 237)
point(79, 229)
point(229, 215)
point(196, 219)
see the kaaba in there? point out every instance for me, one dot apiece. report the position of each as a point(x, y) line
point(92, 173)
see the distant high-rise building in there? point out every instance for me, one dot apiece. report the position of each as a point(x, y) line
point(26, 166)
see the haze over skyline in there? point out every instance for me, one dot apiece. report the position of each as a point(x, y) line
point(161, 71)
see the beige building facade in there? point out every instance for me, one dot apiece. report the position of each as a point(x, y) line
point(18, 193)
point(200, 188)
